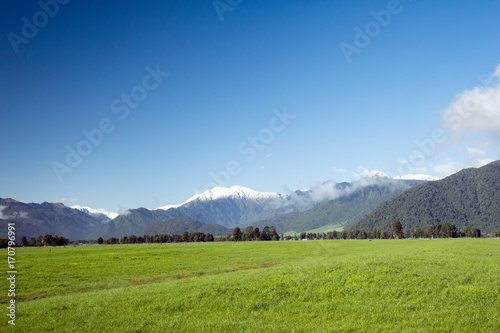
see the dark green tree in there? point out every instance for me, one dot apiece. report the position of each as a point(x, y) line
point(185, 237)
point(24, 241)
point(48, 240)
point(497, 233)
point(256, 234)
point(419, 233)
point(100, 241)
point(397, 229)
point(362, 235)
point(273, 234)
point(39, 240)
point(249, 232)
point(237, 234)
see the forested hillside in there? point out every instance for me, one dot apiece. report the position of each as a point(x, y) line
point(470, 197)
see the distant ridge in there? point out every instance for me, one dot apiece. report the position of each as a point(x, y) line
point(470, 197)
point(34, 219)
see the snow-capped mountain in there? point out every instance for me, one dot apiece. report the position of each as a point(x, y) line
point(234, 192)
point(98, 213)
point(228, 207)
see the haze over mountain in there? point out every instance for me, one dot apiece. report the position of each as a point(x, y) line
point(354, 201)
point(469, 197)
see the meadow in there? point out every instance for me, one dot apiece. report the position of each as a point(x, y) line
point(440, 285)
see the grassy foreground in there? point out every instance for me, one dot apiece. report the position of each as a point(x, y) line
point(440, 285)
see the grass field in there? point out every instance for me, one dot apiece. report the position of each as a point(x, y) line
point(325, 229)
point(445, 285)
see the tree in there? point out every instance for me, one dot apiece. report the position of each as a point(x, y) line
point(237, 234)
point(39, 240)
point(476, 233)
point(48, 240)
point(303, 235)
point(467, 231)
point(274, 234)
point(249, 232)
point(185, 237)
point(265, 234)
point(497, 233)
point(24, 241)
point(362, 235)
point(419, 233)
point(397, 229)
point(256, 234)
point(100, 240)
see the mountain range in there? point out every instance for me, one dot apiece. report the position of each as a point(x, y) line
point(34, 219)
point(470, 197)
point(356, 202)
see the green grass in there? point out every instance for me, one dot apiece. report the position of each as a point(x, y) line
point(325, 229)
point(446, 285)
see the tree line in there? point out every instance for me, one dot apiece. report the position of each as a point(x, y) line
point(47, 240)
point(251, 234)
point(191, 237)
point(445, 230)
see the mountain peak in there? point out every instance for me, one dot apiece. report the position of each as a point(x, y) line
point(234, 192)
point(92, 211)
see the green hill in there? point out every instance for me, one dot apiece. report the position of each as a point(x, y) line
point(470, 197)
point(177, 225)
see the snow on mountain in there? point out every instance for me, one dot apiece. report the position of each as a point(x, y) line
point(234, 192)
point(92, 211)
point(417, 177)
point(377, 175)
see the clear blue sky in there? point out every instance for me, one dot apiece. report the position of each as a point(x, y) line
point(354, 111)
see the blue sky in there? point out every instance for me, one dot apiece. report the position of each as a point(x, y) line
point(271, 95)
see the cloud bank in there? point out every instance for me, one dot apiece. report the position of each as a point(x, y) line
point(476, 110)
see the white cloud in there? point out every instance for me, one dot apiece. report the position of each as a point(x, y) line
point(475, 151)
point(417, 177)
point(14, 215)
point(446, 169)
point(123, 211)
point(474, 161)
point(365, 173)
point(476, 110)
point(339, 170)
